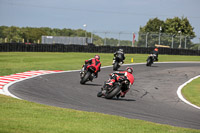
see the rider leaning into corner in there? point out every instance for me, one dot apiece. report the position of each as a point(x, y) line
point(123, 75)
point(120, 51)
point(155, 52)
point(94, 62)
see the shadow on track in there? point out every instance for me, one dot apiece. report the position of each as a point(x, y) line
point(120, 99)
point(123, 99)
point(92, 84)
point(153, 66)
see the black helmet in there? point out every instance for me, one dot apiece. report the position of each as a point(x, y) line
point(121, 50)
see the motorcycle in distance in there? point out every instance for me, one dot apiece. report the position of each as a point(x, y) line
point(110, 92)
point(150, 59)
point(87, 74)
point(118, 62)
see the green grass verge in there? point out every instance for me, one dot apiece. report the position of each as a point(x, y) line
point(192, 92)
point(19, 116)
point(14, 62)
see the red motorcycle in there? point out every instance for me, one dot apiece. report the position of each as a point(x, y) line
point(87, 74)
point(109, 91)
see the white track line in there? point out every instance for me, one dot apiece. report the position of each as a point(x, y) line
point(181, 96)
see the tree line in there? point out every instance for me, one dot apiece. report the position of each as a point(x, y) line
point(172, 31)
point(32, 34)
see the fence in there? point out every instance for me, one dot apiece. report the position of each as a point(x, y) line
point(65, 40)
point(106, 38)
point(145, 39)
point(20, 47)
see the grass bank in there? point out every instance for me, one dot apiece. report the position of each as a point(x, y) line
point(14, 62)
point(191, 92)
point(19, 116)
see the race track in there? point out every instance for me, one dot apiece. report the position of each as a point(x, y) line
point(152, 97)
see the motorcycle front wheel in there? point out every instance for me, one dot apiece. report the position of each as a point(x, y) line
point(113, 92)
point(99, 94)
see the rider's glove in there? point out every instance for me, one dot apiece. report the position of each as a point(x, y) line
point(126, 82)
point(112, 75)
point(120, 79)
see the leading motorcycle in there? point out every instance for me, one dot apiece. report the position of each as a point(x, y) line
point(150, 59)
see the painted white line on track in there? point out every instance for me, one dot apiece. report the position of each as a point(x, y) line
point(180, 94)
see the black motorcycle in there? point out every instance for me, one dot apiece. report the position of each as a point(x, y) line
point(150, 59)
point(109, 91)
point(118, 62)
point(88, 74)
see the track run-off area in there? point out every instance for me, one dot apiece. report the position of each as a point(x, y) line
point(153, 97)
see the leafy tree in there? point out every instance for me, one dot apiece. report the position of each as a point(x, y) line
point(2, 33)
point(12, 34)
point(180, 28)
point(148, 32)
point(176, 29)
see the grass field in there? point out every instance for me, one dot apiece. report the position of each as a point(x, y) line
point(20, 116)
point(191, 92)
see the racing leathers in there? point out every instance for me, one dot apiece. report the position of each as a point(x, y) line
point(116, 54)
point(155, 54)
point(94, 62)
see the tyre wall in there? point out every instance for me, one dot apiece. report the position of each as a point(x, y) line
point(21, 47)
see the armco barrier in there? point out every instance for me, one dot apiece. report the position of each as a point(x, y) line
point(21, 47)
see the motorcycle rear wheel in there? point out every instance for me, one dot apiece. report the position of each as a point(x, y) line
point(86, 77)
point(115, 66)
point(148, 62)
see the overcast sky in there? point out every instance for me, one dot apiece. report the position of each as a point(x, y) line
point(99, 15)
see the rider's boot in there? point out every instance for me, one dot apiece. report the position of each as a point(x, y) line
point(122, 94)
point(113, 62)
point(118, 95)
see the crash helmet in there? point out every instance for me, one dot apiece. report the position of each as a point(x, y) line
point(156, 49)
point(129, 69)
point(97, 57)
point(121, 50)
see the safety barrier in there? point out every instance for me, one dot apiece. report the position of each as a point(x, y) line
point(90, 48)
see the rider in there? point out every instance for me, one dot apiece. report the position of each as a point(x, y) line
point(155, 52)
point(94, 62)
point(122, 75)
point(119, 52)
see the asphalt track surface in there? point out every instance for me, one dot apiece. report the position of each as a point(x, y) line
point(152, 97)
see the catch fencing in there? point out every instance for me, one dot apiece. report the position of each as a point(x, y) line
point(121, 38)
point(148, 39)
point(90, 48)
